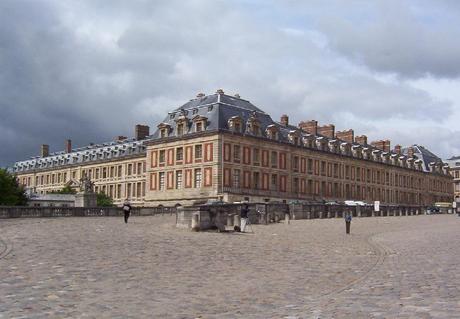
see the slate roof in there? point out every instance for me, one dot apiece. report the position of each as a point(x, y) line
point(90, 153)
point(420, 152)
point(218, 108)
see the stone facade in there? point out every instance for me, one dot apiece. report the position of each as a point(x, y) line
point(221, 147)
point(454, 165)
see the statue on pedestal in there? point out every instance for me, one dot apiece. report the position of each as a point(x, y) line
point(86, 186)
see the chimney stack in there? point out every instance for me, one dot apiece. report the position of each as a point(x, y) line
point(379, 144)
point(284, 120)
point(141, 131)
point(362, 140)
point(68, 146)
point(120, 138)
point(386, 146)
point(310, 127)
point(347, 136)
point(397, 149)
point(327, 130)
point(44, 150)
point(410, 152)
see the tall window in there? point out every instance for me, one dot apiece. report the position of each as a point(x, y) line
point(198, 178)
point(161, 158)
point(296, 185)
point(180, 129)
point(274, 182)
point(295, 163)
point(130, 169)
point(179, 154)
point(256, 156)
point(274, 159)
point(256, 180)
point(178, 179)
point(162, 181)
point(119, 170)
point(139, 168)
point(198, 151)
point(236, 178)
point(236, 152)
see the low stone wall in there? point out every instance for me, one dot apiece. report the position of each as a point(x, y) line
point(227, 215)
point(28, 212)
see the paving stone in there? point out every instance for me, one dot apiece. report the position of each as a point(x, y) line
point(102, 268)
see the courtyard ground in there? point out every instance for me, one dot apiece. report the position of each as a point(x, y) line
point(389, 267)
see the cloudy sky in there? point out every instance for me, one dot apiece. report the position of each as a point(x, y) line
point(91, 70)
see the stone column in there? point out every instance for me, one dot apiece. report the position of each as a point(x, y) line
point(229, 220)
point(195, 222)
point(237, 220)
point(287, 219)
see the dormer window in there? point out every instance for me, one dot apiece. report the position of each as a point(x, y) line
point(253, 125)
point(237, 127)
point(200, 123)
point(272, 132)
point(164, 129)
point(182, 124)
point(180, 129)
point(234, 124)
point(294, 137)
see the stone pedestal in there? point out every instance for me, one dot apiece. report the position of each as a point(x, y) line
point(86, 200)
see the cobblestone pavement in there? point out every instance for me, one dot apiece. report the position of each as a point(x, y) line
point(389, 267)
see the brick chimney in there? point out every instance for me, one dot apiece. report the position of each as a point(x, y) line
point(410, 152)
point(347, 136)
point(309, 127)
point(387, 146)
point(141, 131)
point(284, 120)
point(379, 144)
point(68, 146)
point(362, 140)
point(44, 150)
point(327, 130)
point(397, 149)
point(120, 138)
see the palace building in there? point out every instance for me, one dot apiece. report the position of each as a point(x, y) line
point(222, 147)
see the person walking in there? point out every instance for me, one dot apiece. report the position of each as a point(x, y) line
point(244, 217)
point(126, 210)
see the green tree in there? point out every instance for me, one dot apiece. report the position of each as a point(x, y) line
point(103, 200)
point(65, 190)
point(11, 193)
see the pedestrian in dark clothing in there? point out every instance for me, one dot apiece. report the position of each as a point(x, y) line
point(126, 210)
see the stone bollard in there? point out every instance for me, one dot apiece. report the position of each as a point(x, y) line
point(320, 215)
point(308, 215)
point(229, 220)
point(195, 222)
point(373, 213)
point(336, 214)
point(328, 215)
point(237, 220)
point(287, 218)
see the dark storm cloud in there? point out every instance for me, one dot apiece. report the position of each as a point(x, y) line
point(91, 70)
